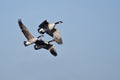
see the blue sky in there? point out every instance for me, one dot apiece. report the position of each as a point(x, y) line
point(90, 32)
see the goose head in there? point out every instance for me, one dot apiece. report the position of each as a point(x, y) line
point(41, 30)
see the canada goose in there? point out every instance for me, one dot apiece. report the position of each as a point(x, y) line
point(46, 45)
point(49, 28)
point(38, 43)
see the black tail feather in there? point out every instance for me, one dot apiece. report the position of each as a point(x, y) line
point(53, 52)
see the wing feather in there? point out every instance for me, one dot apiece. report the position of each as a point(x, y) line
point(53, 51)
point(25, 31)
point(57, 37)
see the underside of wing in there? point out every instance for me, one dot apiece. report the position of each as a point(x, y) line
point(25, 31)
point(57, 37)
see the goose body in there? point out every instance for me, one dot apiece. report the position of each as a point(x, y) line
point(35, 40)
point(49, 28)
point(46, 45)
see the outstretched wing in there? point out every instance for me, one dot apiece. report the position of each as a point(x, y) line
point(57, 37)
point(44, 24)
point(25, 31)
point(53, 51)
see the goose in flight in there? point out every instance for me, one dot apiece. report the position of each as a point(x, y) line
point(39, 43)
point(49, 28)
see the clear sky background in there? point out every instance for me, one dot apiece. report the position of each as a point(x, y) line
point(91, 40)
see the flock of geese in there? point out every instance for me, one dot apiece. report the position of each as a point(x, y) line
point(44, 27)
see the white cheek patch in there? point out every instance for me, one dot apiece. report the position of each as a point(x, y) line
point(28, 43)
point(41, 30)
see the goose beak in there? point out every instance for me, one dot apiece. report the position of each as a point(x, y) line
point(61, 22)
